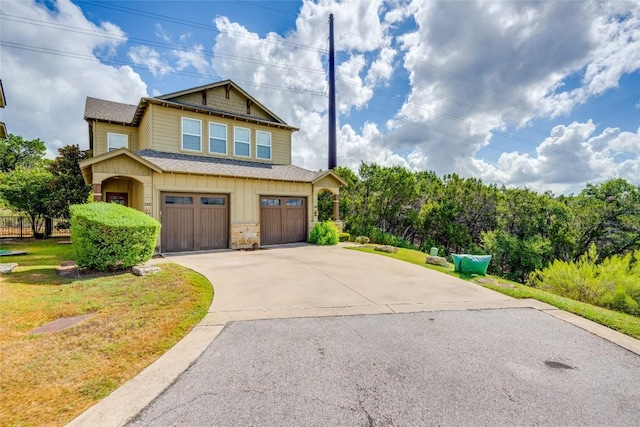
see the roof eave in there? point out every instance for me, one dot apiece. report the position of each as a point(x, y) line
point(218, 113)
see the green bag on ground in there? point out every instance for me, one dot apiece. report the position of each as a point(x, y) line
point(471, 264)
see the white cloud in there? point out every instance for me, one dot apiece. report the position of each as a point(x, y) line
point(150, 59)
point(46, 92)
point(193, 57)
point(571, 156)
point(162, 33)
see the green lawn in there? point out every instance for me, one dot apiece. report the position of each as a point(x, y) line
point(621, 322)
point(50, 378)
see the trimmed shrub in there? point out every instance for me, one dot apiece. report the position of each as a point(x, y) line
point(345, 237)
point(108, 236)
point(324, 233)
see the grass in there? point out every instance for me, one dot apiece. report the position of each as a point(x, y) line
point(50, 378)
point(621, 322)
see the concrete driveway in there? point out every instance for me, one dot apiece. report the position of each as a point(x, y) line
point(305, 281)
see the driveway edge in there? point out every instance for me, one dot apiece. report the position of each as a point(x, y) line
point(128, 400)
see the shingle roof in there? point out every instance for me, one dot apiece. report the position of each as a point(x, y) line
point(174, 162)
point(100, 109)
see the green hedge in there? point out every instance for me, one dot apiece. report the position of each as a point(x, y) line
point(324, 233)
point(108, 236)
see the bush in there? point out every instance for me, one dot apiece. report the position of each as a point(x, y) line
point(614, 284)
point(108, 236)
point(345, 237)
point(324, 233)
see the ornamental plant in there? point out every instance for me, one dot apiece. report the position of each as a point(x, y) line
point(108, 236)
point(324, 233)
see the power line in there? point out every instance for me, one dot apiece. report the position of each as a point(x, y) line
point(110, 61)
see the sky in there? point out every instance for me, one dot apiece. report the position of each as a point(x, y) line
point(542, 95)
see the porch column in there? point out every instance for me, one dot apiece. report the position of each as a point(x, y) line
point(336, 207)
point(97, 192)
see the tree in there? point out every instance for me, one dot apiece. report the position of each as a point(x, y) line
point(608, 215)
point(67, 186)
point(28, 191)
point(16, 151)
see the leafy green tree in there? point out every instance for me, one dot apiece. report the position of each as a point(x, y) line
point(608, 215)
point(16, 151)
point(67, 186)
point(27, 190)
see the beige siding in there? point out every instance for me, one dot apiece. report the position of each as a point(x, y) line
point(121, 165)
point(145, 129)
point(101, 130)
point(244, 193)
point(167, 135)
point(328, 182)
point(217, 98)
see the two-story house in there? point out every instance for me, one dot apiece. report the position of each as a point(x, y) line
point(211, 163)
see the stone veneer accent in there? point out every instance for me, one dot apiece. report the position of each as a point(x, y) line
point(245, 236)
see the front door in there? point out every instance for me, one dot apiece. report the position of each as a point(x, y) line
point(119, 198)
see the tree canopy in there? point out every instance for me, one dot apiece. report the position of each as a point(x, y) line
point(522, 229)
point(16, 151)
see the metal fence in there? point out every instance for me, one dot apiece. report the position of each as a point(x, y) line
point(20, 227)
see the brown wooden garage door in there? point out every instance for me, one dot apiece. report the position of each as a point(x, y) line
point(192, 222)
point(283, 220)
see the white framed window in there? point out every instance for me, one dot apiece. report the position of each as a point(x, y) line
point(263, 145)
point(191, 134)
point(117, 140)
point(217, 138)
point(241, 142)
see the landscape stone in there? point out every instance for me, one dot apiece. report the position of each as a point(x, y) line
point(387, 249)
point(143, 270)
point(67, 269)
point(438, 260)
point(7, 268)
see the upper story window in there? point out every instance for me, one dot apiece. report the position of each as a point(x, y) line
point(191, 134)
point(263, 145)
point(117, 140)
point(217, 138)
point(242, 142)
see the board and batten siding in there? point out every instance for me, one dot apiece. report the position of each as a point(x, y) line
point(121, 165)
point(217, 98)
point(101, 130)
point(244, 200)
point(145, 129)
point(167, 135)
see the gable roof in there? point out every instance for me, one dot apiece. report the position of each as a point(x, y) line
point(185, 163)
point(85, 165)
point(3, 101)
point(109, 111)
point(170, 96)
point(127, 114)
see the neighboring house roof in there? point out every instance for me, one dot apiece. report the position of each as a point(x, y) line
point(3, 103)
point(173, 162)
point(109, 111)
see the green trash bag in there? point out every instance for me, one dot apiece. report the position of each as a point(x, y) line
point(471, 264)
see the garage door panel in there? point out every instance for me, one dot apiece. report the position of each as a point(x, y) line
point(283, 220)
point(178, 229)
point(194, 221)
point(213, 228)
point(271, 225)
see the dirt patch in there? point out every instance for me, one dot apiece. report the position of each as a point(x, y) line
point(60, 324)
point(69, 270)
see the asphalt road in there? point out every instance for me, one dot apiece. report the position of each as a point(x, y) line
point(474, 367)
